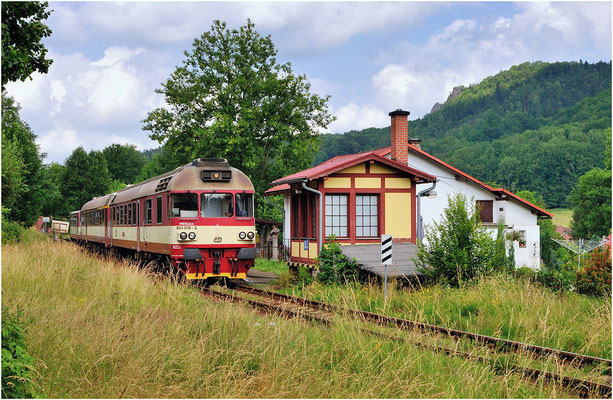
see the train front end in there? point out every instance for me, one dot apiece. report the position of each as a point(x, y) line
point(212, 225)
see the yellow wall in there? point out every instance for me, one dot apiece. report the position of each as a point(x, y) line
point(398, 215)
point(334, 183)
point(377, 168)
point(313, 249)
point(368, 183)
point(398, 183)
point(295, 249)
point(356, 169)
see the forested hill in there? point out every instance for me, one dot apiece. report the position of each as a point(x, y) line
point(538, 126)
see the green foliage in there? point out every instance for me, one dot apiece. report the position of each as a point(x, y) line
point(21, 189)
point(230, 98)
point(22, 32)
point(16, 362)
point(537, 127)
point(559, 277)
point(501, 261)
point(595, 275)
point(85, 176)
point(11, 231)
point(525, 273)
point(334, 267)
point(124, 163)
point(591, 203)
point(458, 248)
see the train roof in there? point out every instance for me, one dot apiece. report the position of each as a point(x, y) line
point(186, 177)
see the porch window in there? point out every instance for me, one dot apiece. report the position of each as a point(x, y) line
point(336, 215)
point(367, 216)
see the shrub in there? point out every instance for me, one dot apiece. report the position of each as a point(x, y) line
point(334, 267)
point(11, 232)
point(561, 277)
point(595, 276)
point(16, 362)
point(458, 248)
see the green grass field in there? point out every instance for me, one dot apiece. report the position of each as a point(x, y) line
point(562, 216)
point(102, 329)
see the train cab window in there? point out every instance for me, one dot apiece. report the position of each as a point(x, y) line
point(148, 211)
point(244, 205)
point(217, 205)
point(158, 209)
point(184, 205)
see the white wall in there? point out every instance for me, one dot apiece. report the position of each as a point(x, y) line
point(516, 216)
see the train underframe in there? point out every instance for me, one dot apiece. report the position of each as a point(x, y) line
point(200, 263)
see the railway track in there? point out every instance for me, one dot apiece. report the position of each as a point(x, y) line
point(323, 313)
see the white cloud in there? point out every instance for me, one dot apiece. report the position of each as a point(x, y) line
point(83, 102)
point(353, 116)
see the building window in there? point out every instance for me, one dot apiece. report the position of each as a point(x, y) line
point(367, 216)
point(487, 210)
point(158, 209)
point(295, 219)
point(522, 239)
point(336, 215)
point(314, 201)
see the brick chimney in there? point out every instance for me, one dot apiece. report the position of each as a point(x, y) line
point(415, 143)
point(400, 135)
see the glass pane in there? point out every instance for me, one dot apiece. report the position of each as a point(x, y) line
point(343, 210)
point(358, 200)
point(343, 232)
point(244, 205)
point(373, 200)
point(336, 221)
point(359, 221)
point(217, 205)
point(183, 205)
point(334, 200)
point(373, 221)
point(328, 220)
point(343, 200)
point(373, 210)
point(328, 200)
point(335, 210)
point(359, 232)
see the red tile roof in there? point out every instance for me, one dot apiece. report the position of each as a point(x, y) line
point(498, 191)
point(341, 162)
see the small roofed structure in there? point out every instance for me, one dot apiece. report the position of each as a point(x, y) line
point(356, 198)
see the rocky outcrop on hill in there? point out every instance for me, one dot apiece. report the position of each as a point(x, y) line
point(454, 93)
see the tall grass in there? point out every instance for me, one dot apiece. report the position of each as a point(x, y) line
point(497, 306)
point(103, 329)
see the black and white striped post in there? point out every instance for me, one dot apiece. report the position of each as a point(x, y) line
point(386, 259)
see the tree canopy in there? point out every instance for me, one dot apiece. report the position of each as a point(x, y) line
point(22, 32)
point(591, 203)
point(231, 98)
point(124, 162)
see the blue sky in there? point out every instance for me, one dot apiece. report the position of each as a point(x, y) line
point(370, 57)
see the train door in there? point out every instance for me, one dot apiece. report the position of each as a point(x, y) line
point(79, 225)
point(139, 221)
point(107, 227)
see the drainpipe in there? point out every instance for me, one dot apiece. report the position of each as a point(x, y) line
point(423, 193)
point(321, 217)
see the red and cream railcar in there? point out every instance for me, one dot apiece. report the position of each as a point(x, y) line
point(198, 216)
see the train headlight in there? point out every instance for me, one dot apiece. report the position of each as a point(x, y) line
point(242, 235)
point(183, 235)
point(192, 235)
point(250, 235)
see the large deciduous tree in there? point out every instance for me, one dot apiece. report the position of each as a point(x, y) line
point(124, 162)
point(231, 98)
point(85, 176)
point(591, 203)
point(22, 32)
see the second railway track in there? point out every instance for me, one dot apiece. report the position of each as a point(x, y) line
point(320, 312)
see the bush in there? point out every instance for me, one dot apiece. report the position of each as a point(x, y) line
point(525, 273)
point(11, 232)
point(334, 267)
point(458, 248)
point(561, 277)
point(595, 276)
point(16, 362)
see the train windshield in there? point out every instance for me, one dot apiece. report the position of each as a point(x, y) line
point(244, 205)
point(216, 205)
point(184, 205)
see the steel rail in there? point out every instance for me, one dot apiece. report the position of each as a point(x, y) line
point(583, 388)
point(412, 325)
